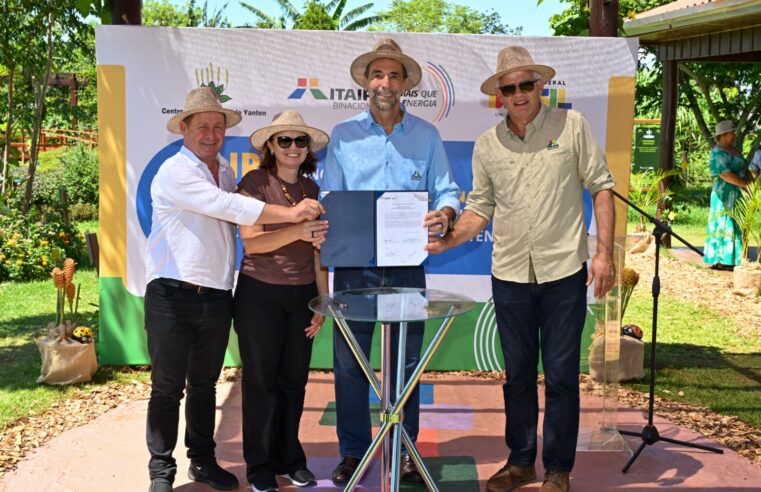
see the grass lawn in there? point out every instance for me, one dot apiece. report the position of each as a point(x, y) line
point(27, 309)
point(699, 355)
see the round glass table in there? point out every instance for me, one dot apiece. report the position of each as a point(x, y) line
point(389, 306)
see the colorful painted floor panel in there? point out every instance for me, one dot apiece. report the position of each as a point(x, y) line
point(461, 440)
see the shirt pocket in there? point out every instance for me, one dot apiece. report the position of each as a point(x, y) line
point(418, 173)
point(505, 175)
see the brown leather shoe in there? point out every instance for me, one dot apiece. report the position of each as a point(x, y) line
point(345, 469)
point(510, 477)
point(556, 481)
point(408, 471)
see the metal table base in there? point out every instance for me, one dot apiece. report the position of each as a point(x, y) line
point(391, 414)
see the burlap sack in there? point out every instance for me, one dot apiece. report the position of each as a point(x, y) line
point(66, 361)
point(747, 280)
point(630, 363)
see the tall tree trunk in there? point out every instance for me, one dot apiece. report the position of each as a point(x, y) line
point(603, 18)
point(40, 92)
point(126, 12)
point(8, 128)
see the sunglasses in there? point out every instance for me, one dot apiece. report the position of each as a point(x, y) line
point(300, 141)
point(525, 86)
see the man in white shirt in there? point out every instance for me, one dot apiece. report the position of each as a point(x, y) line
point(188, 300)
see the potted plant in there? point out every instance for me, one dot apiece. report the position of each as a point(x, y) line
point(747, 216)
point(68, 351)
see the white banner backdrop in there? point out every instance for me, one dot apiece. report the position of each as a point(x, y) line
point(263, 72)
point(145, 72)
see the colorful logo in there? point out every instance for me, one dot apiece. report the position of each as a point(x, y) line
point(495, 102)
point(301, 88)
point(209, 77)
point(432, 100)
point(446, 90)
point(555, 98)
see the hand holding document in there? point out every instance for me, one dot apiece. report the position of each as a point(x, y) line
point(374, 228)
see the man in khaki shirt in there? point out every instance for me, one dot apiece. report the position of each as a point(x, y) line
point(529, 172)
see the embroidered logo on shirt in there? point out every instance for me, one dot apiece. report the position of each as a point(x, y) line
point(416, 176)
point(553, 144)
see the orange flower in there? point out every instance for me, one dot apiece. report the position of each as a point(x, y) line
point(68, 269)
point(59, 280)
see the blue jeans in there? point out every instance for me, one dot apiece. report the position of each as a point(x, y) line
point(187, 338)
point(352, 403)
point(548, 316)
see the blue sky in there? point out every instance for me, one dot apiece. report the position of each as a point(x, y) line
point(526, 13)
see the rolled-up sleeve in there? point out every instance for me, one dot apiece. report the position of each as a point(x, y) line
point(592, 166)
point(441, 180)
point(185, 188)
point(481, 199)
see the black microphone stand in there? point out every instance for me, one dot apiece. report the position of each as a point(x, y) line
point(649, 432)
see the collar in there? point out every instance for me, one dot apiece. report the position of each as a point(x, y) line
point(368, 121)
point(223, 164)
point(537, 122)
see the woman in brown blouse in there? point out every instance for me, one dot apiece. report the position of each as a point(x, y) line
point(279, 274)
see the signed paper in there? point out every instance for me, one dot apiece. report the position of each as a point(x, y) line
point(401, 237)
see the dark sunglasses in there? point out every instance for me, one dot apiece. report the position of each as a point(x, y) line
point(525, 86)
point(285, 142)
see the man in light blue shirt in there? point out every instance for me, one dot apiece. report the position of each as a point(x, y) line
point(383, 148)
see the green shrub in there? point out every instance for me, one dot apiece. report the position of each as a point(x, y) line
point(83, 211)
point(79, 166)
point(30, 246)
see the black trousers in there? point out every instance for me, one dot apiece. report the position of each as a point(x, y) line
point(187, 337)
point(270, 321)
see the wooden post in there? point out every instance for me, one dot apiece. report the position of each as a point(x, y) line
point(126, 12)
point(668, 126)
point(603, 18)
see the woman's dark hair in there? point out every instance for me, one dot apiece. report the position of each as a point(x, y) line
point(308, 167)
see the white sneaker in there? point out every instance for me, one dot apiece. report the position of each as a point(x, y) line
point(300, 478)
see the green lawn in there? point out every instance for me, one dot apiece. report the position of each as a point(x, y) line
point(699, 354)
point(27, 309)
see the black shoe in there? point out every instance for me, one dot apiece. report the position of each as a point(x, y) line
point(408, 471)
point(211, 473)
point(300, 478)
point(264, 482)
point(160, 486)
point(345, 469)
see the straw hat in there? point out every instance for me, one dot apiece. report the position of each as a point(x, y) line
point(723, 127)
point(385, 48)
point(289, 121)
point(202, 100)
point(515, 59)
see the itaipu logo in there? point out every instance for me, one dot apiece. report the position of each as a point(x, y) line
point(434, 97)
point(211, 77)
point(553, 96)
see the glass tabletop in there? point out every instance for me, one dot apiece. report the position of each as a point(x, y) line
point(391, 304)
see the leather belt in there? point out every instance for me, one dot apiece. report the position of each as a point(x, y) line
point(180, 284)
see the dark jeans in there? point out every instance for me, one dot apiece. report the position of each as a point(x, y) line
point(352, 404)
point(549, 316)
point(187, 338)
point(270, 321)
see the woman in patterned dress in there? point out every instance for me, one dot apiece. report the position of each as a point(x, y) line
point(728, 171)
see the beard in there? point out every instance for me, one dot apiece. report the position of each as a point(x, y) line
point(386, 105)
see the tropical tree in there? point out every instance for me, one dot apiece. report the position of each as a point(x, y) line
point(712, 91)
point(441, 16)
point(316, 15)
point(165, 13)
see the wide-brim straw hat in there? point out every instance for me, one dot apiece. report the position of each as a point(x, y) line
point(385, 48)
point(515, 59)
point(289, 120)
point(202, 100)
point(723, 127)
